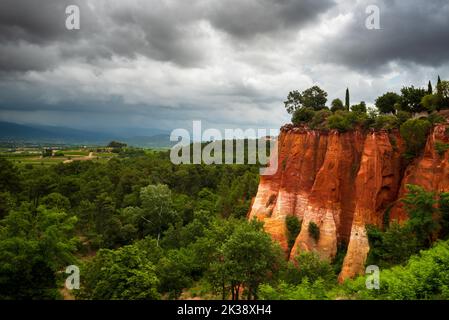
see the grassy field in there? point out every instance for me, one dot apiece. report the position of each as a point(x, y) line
point(34, 157)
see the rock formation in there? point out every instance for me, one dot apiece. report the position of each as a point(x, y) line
point(341, 182)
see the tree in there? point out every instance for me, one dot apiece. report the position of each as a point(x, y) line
point(116, 145)
point(248, 257)
point(126, 273)
point(336, 105)
point(293, 101)
point(361, 107)
point(429, 88)
point(314, 98)
point(414, 132)
point(347, 101)
point(308, 265)
point(443, 93)
point(443, 205)
point(173, 271)
point(411, 99)
point(431, 102)
point(420, 206)
point(302, 115)
point(34, 245)
point(392, 247)
point(385, 103)
point(9, 176)
point(156, 212)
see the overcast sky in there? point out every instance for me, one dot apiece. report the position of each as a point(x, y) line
point(230, 63)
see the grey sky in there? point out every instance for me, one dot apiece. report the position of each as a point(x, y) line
point(230, 63)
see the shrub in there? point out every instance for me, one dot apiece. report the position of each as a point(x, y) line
point(293, 225)
point(340, 121)
point(385, 122)
point(319, 119)
point(344, 120)
point(441, 147)
point(361, 107)
point(302, 115)
point(308, 265)
point(314, 231)
point(336, 105)
point(402, 116)
point(430, 102)
point(414, 132)
point(435, 118)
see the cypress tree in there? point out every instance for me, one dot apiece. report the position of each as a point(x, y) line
point(347, 99)
point(438, 85)
point(429, 88)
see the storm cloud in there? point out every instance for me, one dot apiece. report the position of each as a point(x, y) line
point(230, 63)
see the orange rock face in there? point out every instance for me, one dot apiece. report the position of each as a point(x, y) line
point(342, 182)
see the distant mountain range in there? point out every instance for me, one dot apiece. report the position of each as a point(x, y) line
point(62, 135)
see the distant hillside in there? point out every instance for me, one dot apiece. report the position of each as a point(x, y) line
point(157, 141)
point(62, 135)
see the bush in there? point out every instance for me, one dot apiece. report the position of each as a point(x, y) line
point(435, 118)
point(425, 276)
point(441, 147)
point(306, 290)
point(385, 122)
point(403, 116)
point(314, 231)
point(414, 132)
point(361, 107)
point(430, 102)
point(293, 225)
point(345, 121)
point(308, 265)
point(340, 121)
point(302, 115)
point(319, 119)
point(336, 105)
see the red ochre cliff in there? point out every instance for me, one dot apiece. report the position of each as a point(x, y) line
point(342, 182)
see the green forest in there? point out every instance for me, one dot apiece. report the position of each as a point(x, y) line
point(140, 227)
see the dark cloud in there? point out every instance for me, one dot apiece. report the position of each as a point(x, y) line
point(411, 31)
point(165, 63)
point(245, 19)
point(158, 30)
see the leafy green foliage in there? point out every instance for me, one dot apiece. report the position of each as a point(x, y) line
point(425, 276)
point(314, 231)
point(431, 102)
point(314, 98)
point(126, 273)
point(308, 265)
point(414, 132)
point(441, 147)
point(306, 290)
point(293, 225)
point(336, 105)
point(34, 245)
point(302, 115)
point(385, 103)
point(246, 259)
point(420, 206)
point(361, 107)
point(411, 99)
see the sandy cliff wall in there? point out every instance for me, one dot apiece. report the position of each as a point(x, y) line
point(341, 182)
